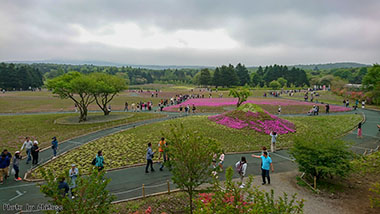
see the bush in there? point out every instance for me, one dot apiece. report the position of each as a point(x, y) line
point(248, 199)
point(91, 194)
point(191, 155)
point(370, 165)
point(322, 157)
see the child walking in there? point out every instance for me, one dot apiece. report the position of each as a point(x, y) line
point(241, 168)
point(360, 135)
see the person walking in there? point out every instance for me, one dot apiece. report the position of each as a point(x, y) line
point(273, 141)
point(133, 107)
point(194, 109)
point(63, 187)
point(363, 104)
point(73, 173)
point(126, 106)
point(161, 151)
point(327, 108)
point(266, 165)
point(4, 163)
point(99, 161)
point(16, 162)
point(221, 161)
point(35, 151)
point(9, 155)
point(241, 168)
point(149, 158)
point(28, 144)
point(54, 146)
point(360, 135)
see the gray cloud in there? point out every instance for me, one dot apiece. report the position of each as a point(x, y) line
point(267, 32)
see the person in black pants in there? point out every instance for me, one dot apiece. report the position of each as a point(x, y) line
point(266, 165)
point(149, 158)
point(35, 151)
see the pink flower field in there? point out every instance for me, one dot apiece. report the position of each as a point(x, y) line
point(260, 121)
point(216, 102)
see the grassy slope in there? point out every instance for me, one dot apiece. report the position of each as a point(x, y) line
point(43, 127)
point(129, 147)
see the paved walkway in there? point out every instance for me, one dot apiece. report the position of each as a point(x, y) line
point(127, 183)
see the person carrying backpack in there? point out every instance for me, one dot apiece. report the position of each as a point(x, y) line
point(241, 168)
point(16, 162)
point(149, 158)
point(99, 161)
point(266, 165)
point(273, 141)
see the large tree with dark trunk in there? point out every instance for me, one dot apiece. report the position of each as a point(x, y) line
point(77, 87)
point(106, 87)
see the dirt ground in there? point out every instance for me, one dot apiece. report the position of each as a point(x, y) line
point(354, 197)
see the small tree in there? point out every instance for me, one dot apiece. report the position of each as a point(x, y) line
point(282, 81)
point(274, 84)
point(90, 191)
point(232, 198)
point(205, 77)
point(190, 157)
point(106, 87)
point(241, 93)
point(77, 87)
point(322, 157)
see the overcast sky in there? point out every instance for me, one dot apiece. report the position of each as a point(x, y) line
point(187, 32)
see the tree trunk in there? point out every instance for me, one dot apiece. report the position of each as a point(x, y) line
point(191, 201)
point(238, 103)
point(83, 114)
point(106, 112)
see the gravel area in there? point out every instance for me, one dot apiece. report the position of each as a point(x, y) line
point(314, 203)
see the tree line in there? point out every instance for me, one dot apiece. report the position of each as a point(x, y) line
point(274, 76)
point(135, 76)
point(16, 77)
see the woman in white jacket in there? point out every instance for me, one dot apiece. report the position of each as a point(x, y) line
point(241, 168)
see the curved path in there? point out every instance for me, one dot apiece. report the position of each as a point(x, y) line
point(127, 183)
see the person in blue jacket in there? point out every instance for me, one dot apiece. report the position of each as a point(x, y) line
point(54, 146)
point(4, 163)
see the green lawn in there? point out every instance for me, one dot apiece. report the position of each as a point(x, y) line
point(15, 128)
point(44, 101)
point(129, 147)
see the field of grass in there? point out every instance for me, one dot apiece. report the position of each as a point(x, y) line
point(44, 101)
point(129, 147)
point(15, 128)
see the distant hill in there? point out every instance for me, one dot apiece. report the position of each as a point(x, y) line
point(161, 67)
point(105, 63)
point(330, 66)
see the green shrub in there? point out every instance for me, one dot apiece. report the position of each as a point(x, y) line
point(322, 157)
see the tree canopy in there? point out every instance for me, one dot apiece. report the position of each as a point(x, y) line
point(105, 88)
point(77, 87)
point(19, 77)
